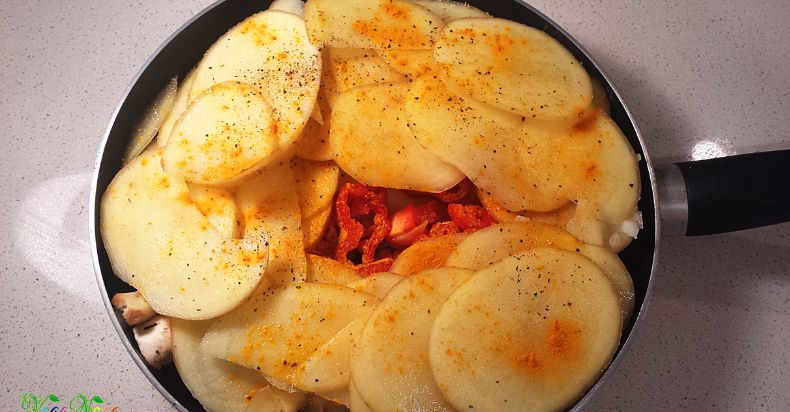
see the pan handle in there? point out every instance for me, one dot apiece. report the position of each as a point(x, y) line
point(726, 194)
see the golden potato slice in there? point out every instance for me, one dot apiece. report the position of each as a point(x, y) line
point(271, 399)
point(617, 273)
point(372, 142)
point(487, 246)
point(179, 107)
point(480, 140)
point(218, 205)
point(291, 6)
point(356, 403)
point(427, 254)
point(270, 207)
point(345, 69)
point(325, 270)
point(226, 132)
point(382, 24)
point(270, 51)
point(529, 333)
point(280, 330)
point(450, 10)
point(377, 284)
point(152, 120)
point(316, 183)
point(329, 368)
point(411, 63)
point(513, 67)
point(313, 144)
point(388, 363)
point(159, 242)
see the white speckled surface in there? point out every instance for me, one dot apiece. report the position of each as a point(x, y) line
point(716, 335)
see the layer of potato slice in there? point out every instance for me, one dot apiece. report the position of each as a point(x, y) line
point(270, 51)
point(291, 6)
point(328, 369)
point(383, 24)
point(281, 330)
point(313, 144)
point(388, 363)
point(159, 242)
point(513, 67)
point(529, 333)
point(356, 403)
point(411, 63)
point(220, 385)
point(316, 183)
point(226, 132)
point(271, 399)
point(450, 10)
point(325, 270)
point(617, 273)
point(372, 142)
point(346, 68)
point(427, 254)
point(377, 284)
point(218, 204)
point(152, 120)
point(486, 246)
point(482, 141)
point(270, 207)
point(179, 107)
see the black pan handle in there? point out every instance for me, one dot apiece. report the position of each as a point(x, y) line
point(730, 193)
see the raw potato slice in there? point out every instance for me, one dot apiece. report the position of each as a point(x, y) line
point(599, 97)
point(329, 368)
point(159, 242)
point(450, 10)
point(377, 284)
point(291, 6)
point(270, 208)
point(344, 69)
point(226, 132)
point(283, 328)
point(486, 246)
point(218, 205)
point(618, 275)
point(372, 142)
point(356, 403)
point(529, 333)
point(325, 270)
point(270, 51)
point(152, 120)
point(388, 363)
point(411, 63)
point(426, 254)
point(271, 399)
point(480, 140)
point(314, 142)
point(179, 107)
point(316, 183)
point(513, 67)
point(382, 24)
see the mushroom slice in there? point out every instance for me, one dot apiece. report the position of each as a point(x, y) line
point(514, 67)
point(388, 363)
point(155, 340)
point(529, 333)
point(133, 306)
point(159, 242)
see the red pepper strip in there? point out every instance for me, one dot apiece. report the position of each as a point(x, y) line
point(382, 265)
point(351, 231)
point(377, 199)
point(431, 212)
point(455, 193)
point(444, 228)
point(469, 218)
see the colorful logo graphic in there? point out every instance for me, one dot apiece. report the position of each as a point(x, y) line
point(51, 403)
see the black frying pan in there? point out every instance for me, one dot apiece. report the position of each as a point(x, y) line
point(712, 196)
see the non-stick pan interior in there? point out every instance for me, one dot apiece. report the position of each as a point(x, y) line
point(185, 48)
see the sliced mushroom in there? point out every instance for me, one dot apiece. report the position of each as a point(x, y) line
point(133, 306)
point(155, 340)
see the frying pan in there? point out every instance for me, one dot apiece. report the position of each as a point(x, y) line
point(698, 198)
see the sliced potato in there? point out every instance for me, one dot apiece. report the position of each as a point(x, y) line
point(513, 67)
point(313, 144)
point(372, 142)
point(382, 24)
point(159, 242)
point(281, 330)
point(427, 254)
point(270, 207)
point(152, 120)
point(218, 205)
point(316, 183)
point(482, 141)
point(356, 403)
point(599, 97)
point(388, 363)
point(529, 333)
point(345, 69)
point(377, 284)
point(450, 10)
point(617, 273)
point(179, 107)
point(291, 6)
point(226, 132)
point(270, 51)
point(325, 270)
point(271, 399)
point(411, 63)
point(486, 246)
point(329, 368)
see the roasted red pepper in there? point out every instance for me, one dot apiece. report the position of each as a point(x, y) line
point(469, 218)
point(382, 265)
point(354, 203)
point(456, 193)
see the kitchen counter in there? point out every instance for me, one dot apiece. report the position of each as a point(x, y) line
point(703, 79)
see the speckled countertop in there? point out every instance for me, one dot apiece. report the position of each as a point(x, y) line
point(703, 78)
